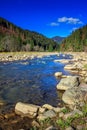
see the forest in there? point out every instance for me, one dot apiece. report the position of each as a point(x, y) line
point(77, 41)
point(13, 38)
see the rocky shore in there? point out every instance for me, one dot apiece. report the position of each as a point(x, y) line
point(15, 56)
point(71, 116)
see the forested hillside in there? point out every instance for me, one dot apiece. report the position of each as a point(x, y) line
point(77, 41)
point(13, 38)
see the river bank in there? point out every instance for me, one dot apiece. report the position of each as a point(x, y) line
point(14, 56)
point(71, 116)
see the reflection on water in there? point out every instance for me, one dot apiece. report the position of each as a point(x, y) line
point(30, 81)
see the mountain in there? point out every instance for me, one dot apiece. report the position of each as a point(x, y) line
point(77, 41)
point(58, 39)
point(13, 38)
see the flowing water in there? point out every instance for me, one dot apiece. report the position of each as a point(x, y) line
point(31, 81)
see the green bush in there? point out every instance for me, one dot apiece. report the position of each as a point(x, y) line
point(63, 123)
point(65, 110)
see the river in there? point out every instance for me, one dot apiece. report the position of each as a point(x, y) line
point(31, 81)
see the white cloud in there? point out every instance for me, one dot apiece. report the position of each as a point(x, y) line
point(63, 19)
point(69, 20)
point(54, 24)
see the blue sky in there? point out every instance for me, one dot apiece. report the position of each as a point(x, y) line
point(48, 17)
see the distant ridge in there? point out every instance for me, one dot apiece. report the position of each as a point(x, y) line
point(58, 39)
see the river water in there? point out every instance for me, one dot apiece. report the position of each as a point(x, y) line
point(31, 81)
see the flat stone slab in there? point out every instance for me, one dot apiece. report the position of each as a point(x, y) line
point(28, 110)
point(69, 82)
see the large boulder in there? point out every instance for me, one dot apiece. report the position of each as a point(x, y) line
point(28, 110)
point(69, 82)
point(73, 96)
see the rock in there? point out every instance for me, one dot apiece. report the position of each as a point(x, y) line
point(63, 108)
point(39, 56)
point(72, 114)
point(85, 98)
point(2, 103)
point(83, 87)
point(56, 109)
point(9, 56)
point(24, 63)
point(21, 129)
point(63, 61)
point(69, 82)
point(70, 67)
point(80, 127)
point(73, 96)
point(61, 114)
point(71, 107)
point(41, 117)
point(69, 128)
point(35, 123)
point(58, 74)
point(85, 80)
point(1, 117)
point(74, 71)
point(51, 128)
point(47, 114)
point(47, 106)
point(32, 57)
point(82, 73)
point(64, 76)
point(75, 66)
point(28, 110)
point(42, 110)
point(9, 115)
point(78, 65)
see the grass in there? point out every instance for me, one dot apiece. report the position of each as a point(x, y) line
point(84, 110)
point(65, 110)
point(33, 128)
point(69, 121)
point(63, 124)
point(85, 66)
point(46, 121)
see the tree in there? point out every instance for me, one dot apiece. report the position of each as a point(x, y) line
point(50, 47)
